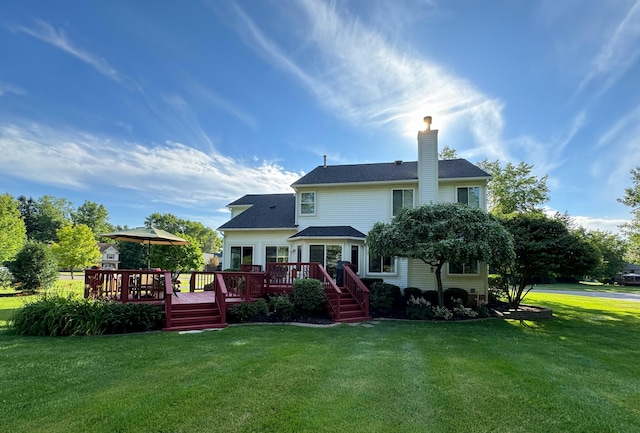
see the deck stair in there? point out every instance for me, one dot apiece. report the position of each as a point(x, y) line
point(195, 316)
point(350, 311)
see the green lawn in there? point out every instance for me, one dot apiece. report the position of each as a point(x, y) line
point(577, 373)
point(589, 287)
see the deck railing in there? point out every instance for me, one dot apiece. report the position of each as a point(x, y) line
point(221, 296)
point(356, 288)
point(126, 285)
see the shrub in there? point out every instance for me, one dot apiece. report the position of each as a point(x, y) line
point(462, 311)
point(34, 267)
point(419, 309)
point(431, 296)
point(282, 308)
point(55, 315)
point(452, 294)
point(497, 288)
point(369, 281)
point(413, 292)
point(308, 296)
point(383, 298)
point(442, 313)
point(249, 311)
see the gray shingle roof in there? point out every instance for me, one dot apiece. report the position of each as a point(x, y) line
point(329, 231)
point(386, 172)
point(268, 211)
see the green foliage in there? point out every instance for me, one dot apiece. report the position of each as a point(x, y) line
point(132, 255)
point(249, 311)
point(76, 248)
point(44, 217)
point(431, 296)
point(55, 315)
point(610, 251)
point(442, 313)
point(178, 257)
point(442, 232)
point(35, 267)
point(308, 296)
point(369, 281)
point(207, 239)
point(95, 216)
point(419, 308)
point(513, 188)
point(453, 296)
point(282, 308)
point(415, 292)
point(13, 233)
point(544, 247)
point(383, 298)
point(632, 228)
point(447, 153)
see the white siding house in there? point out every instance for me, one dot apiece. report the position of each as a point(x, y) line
point(333, 207)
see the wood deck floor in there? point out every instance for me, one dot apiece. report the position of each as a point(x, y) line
point(193, 297)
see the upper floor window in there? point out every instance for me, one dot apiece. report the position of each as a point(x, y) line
point(308, 203)
point(470, 196)
point(464, 268)
point(402, 198)
point(111, 256)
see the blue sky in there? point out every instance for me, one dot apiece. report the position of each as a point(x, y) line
point(182, 107)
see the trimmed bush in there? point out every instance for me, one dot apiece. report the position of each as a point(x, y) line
point(282, 308)
point(452, 295)
point(249, 312)
point(308, 296)
point(369, 281)
point(431, 296)
point(55, 315)
point(383, 298)
point(419, 309)
point(413, 291)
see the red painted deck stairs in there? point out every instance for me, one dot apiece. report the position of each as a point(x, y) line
point(350, 311)
point(188, 317)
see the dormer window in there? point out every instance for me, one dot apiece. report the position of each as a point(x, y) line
point(307, 203)
point(469, 195)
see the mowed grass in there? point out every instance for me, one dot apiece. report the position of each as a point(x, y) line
point(588, 287)
point(577, 373)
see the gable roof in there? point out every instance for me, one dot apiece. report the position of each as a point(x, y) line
point(267, 211)
point(387, 172)
point(105, 246)
point(329, 232)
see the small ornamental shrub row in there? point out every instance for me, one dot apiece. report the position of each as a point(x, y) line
point(55, 315)
point(249, 312)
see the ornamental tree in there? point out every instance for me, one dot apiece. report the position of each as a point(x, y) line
point(35, 267)
point(440, 233)
point(544, 247)
point(76, 248)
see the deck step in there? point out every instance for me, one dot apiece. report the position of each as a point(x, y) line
point(185, 317)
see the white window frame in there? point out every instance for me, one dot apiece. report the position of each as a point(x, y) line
point(464, 268)
point(413, 198)
point(314, 203)
point(279, 256)
point(242, 247)
point(476, 187)
point(394, 261)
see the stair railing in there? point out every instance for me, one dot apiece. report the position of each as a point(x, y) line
point(354, 285)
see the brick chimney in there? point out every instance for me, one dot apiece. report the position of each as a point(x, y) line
point(427, 164)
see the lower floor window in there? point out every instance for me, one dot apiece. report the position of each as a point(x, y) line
point(277, 254)
point(241, 256)
point(382, 264)
point(464, 268)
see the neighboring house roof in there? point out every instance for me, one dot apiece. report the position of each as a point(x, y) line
point(105, 246)
point(387, 172)
point(329, 232)
point(266, 211)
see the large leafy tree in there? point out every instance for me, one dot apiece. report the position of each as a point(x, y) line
point(35, 267)
point(544, 247)
point(207, 238)
point(440, 233)
point(45, 216)
point(610, 250)
point(632, 228)
point(13, 233)
point(28, 208)
point(76, 248)
point(513, 188)
point(93, 215)
point(132, 255)
point(447, 153)
point(178, 258)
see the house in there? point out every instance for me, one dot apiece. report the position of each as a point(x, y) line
point(110, 255)
point(327, 217)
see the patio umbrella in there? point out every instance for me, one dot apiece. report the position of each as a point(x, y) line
point(149, 236)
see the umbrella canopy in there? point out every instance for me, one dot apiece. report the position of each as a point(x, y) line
point(149, 236)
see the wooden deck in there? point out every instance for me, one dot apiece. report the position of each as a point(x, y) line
point(211, 294)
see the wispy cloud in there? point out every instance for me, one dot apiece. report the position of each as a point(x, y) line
point(9, 88)
point(170, 173)
point(47, 33)
point(363, 78)
point(618, 53)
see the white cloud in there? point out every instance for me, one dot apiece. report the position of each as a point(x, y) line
point(9, 88)
point(169, 173)
point(47, 33)
point(363, 78)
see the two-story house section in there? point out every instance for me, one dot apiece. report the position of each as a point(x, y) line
point(333, 208)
